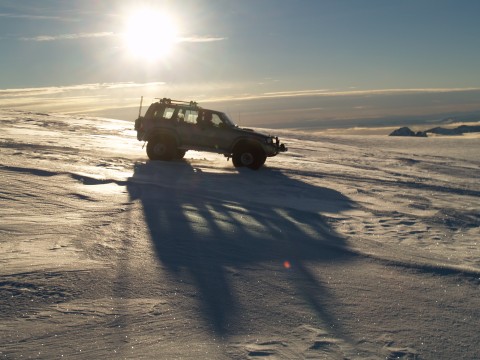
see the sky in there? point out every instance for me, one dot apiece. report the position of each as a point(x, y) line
point(266, 62)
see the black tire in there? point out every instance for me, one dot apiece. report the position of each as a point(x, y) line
point(179, 154)
point(251, 156)
point(161, 148)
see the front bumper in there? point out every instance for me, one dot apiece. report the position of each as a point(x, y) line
point(280, 147)
point(276, 147)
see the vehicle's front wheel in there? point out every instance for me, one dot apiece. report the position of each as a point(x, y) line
point(252, 157)
point(161, 148)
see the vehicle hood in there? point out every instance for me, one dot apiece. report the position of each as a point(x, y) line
point(251, 131)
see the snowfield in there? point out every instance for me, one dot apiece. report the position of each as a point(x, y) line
point(345, 247)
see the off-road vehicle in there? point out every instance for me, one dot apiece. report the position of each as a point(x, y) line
point(171, 127)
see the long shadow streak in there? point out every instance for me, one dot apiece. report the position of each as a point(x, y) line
point(201, 223)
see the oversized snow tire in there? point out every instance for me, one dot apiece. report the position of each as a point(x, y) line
point(250, 156)
point(161, 148)
point(179, 154)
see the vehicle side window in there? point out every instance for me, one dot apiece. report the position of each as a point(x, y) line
point(216, 121)
point(191, 117)
point(158, 114)
point(181, 115)
point(153, 112)
point(168, 112)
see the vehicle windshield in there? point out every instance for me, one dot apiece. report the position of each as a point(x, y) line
point(226, 119)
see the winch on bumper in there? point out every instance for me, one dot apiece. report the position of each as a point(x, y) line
point(279, 147)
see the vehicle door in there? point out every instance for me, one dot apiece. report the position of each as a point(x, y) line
point(215, 132)
point(188, 129)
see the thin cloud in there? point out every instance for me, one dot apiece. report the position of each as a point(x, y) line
point(120, 100)
point(300, 93)
point(41, 38)
point(37, 17)
point(27, 16)
point(62, 89)
point(200, 39)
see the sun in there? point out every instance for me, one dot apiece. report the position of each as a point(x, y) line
point(150, 35)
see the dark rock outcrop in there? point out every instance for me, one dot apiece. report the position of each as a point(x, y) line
point(405, 131)
point(462, 129)
point(459, 130)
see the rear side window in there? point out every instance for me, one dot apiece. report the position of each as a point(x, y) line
point(163, 113)
point(191, 116)
point(168, 112)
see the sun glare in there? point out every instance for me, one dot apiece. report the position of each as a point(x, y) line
point(150, 34)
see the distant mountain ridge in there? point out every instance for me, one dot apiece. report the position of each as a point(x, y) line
point(459, 130)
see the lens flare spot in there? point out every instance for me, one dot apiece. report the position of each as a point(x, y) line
point(286, 264)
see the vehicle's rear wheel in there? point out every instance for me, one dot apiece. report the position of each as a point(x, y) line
point(161, 148)
point(251, 156)
point(179, 154)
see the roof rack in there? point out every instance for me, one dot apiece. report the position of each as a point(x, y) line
point(168, 101)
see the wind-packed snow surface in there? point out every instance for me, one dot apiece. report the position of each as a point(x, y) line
point(345, 247)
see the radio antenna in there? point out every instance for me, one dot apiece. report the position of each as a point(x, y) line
point(140, 110)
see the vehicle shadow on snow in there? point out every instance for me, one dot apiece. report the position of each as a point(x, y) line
point(207, 227)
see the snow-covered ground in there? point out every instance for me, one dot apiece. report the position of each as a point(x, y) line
point(345, 247)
